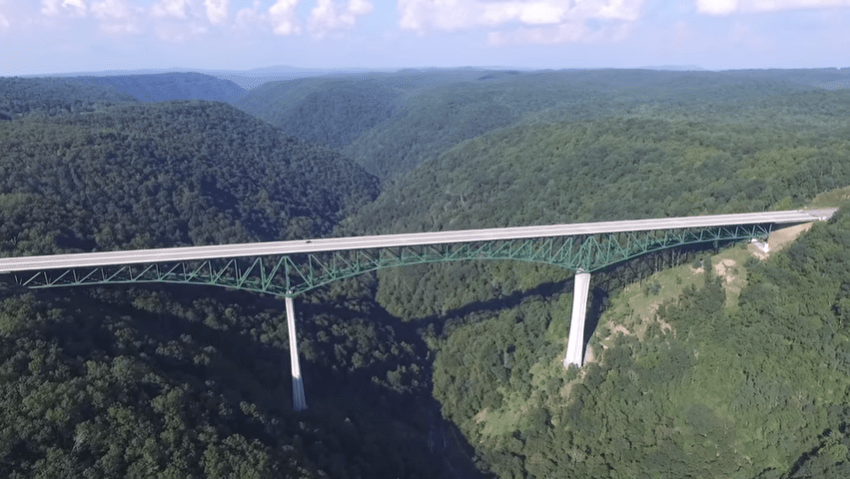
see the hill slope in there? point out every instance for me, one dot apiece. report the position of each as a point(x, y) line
point(166, 175)
point(718, 382)
point(331, 111)
point(595, 171)
point(51, 96)
point(169, 86)
point(391, 123)
point(188, 382)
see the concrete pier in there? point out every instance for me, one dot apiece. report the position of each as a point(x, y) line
point(575, 347)
point(298, 401)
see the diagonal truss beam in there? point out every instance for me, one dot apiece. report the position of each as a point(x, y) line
point(293, 274)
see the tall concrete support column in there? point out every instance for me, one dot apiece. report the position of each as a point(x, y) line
point(575, 347)
point(298, 401)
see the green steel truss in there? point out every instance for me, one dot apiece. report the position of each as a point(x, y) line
point(290, 275)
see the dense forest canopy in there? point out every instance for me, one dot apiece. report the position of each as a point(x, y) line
point(753, 388)
point(168, 174)
point(49, 96)
point(605, 169)
point(431, 114)
point(715, 365)
point(332, 112)
point(120, 382)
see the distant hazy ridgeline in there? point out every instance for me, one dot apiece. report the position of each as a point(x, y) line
point(50, 96)
point(168, 86)
point(392, 123)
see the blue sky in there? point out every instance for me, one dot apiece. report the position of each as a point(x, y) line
point(55, 36)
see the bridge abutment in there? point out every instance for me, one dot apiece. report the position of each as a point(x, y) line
point(298, 401)
point(575, 346)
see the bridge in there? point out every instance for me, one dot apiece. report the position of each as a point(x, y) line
point(289, 268)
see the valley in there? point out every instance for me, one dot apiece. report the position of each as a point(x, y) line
point(705, 361)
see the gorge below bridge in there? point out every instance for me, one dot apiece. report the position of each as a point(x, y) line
point(289, 268)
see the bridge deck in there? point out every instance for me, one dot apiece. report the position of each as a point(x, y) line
point(29, 263)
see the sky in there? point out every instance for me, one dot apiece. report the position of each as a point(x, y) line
point(61, 36)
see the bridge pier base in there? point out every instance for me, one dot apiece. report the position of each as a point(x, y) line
point(298, 401)
point(575, 346)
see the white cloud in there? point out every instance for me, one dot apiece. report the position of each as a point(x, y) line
point(55, 7)
point(628, 10)
point(283, 18)
point(540, 13)
point(249, 16)
point(170, 8)
point(717, 7)
point(216, 10)
point(325, 16)
point(726, 7)
point(116, 17)
point(111, 10)
point(462, 14)
point(4, 22)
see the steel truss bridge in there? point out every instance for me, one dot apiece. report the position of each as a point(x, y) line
point(293, 274)
point(289, 268)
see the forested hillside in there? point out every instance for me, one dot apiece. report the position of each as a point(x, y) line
point(758, 388)
point(192, 382)
point(501, 326)
point(329, 111)
point(395, 122)
point(168, 86)
point(710, 368)
point(828, 78)
point(592, 171)
point(165, 175)
point(51, 96)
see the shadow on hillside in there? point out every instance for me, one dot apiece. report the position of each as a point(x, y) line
point(546, 290)
point(605, 283)
point(352, 422)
